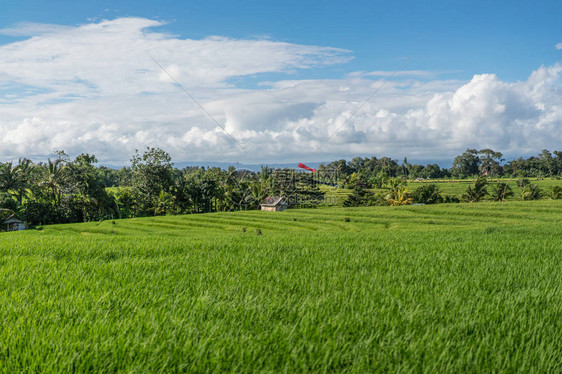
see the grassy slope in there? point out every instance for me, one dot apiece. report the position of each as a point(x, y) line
point(428, 288)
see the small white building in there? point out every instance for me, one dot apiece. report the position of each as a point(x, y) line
point(274, 204)
point(13, 224)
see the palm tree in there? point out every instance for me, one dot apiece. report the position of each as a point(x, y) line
point(261, 188)
point(15, 179)
point(165, 204)
point(477, 193)
point(555, 192)
point(531, 192)
point(259, 191)
point(24, 169)
point(265, 174)
point(52, 179)
point(501, 192)
point(398, 192)
point(8, 177)
point(395, 183)
point(399, 196)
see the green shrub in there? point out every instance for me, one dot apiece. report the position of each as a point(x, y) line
point(451, 199)
point(531, 192)
point(427, 194)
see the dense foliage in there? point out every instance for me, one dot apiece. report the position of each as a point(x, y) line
point(472, 162)
point(67, 190)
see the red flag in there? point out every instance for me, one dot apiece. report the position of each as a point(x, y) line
point(303, 166)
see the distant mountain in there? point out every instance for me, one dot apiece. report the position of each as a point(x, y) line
point(252, 167)
point(293, 165)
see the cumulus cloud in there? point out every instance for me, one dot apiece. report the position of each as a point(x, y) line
point(94, 88)
point(559, 46)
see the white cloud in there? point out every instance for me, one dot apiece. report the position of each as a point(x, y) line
point(112, 57)
point(402, 73)
point(93, 88)
point(32, 29)
point(559, 46)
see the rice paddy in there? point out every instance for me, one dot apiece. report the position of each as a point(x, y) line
point(450, 287)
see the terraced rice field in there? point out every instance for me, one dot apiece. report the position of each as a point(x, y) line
point(462, 287)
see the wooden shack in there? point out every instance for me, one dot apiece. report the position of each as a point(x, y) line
point(274, 204)
point(13, 224)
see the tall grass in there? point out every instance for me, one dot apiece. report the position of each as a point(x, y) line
point(462, 287)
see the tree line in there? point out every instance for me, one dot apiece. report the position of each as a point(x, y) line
point(65, 190)
point(395, 191)
point(471, 163)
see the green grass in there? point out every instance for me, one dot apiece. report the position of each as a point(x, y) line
point(445, 288)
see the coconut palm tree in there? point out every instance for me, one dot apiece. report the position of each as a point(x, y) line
point(478, 192)
point(24, 169)
point(555, 192)
point(398, 193)
point(264, 174)
point(15, 179)
point(399, 196)
point(8, 177)
point(165, 204)
point(259, 191)
point(261, 188)
point(395, 183)
point(501, 192)
point(52, 180)
point(531, 192)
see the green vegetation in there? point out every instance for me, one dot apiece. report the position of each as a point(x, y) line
point(438, 191)
point(501, 192)
point(65, 190)
point(434, 288)
point(478, 192)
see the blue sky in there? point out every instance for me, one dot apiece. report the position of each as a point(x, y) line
point(508, 38)
point(484, 55)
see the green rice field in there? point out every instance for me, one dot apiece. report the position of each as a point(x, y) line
point(458, 187)
point(453, 187)
point(443, 288)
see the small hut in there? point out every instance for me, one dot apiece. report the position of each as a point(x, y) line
point(13, 224)
point(274, 204)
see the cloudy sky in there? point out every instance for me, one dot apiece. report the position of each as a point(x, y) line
point(296, 81)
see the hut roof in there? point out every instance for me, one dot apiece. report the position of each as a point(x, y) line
point(11, 219)
point(273, 201)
